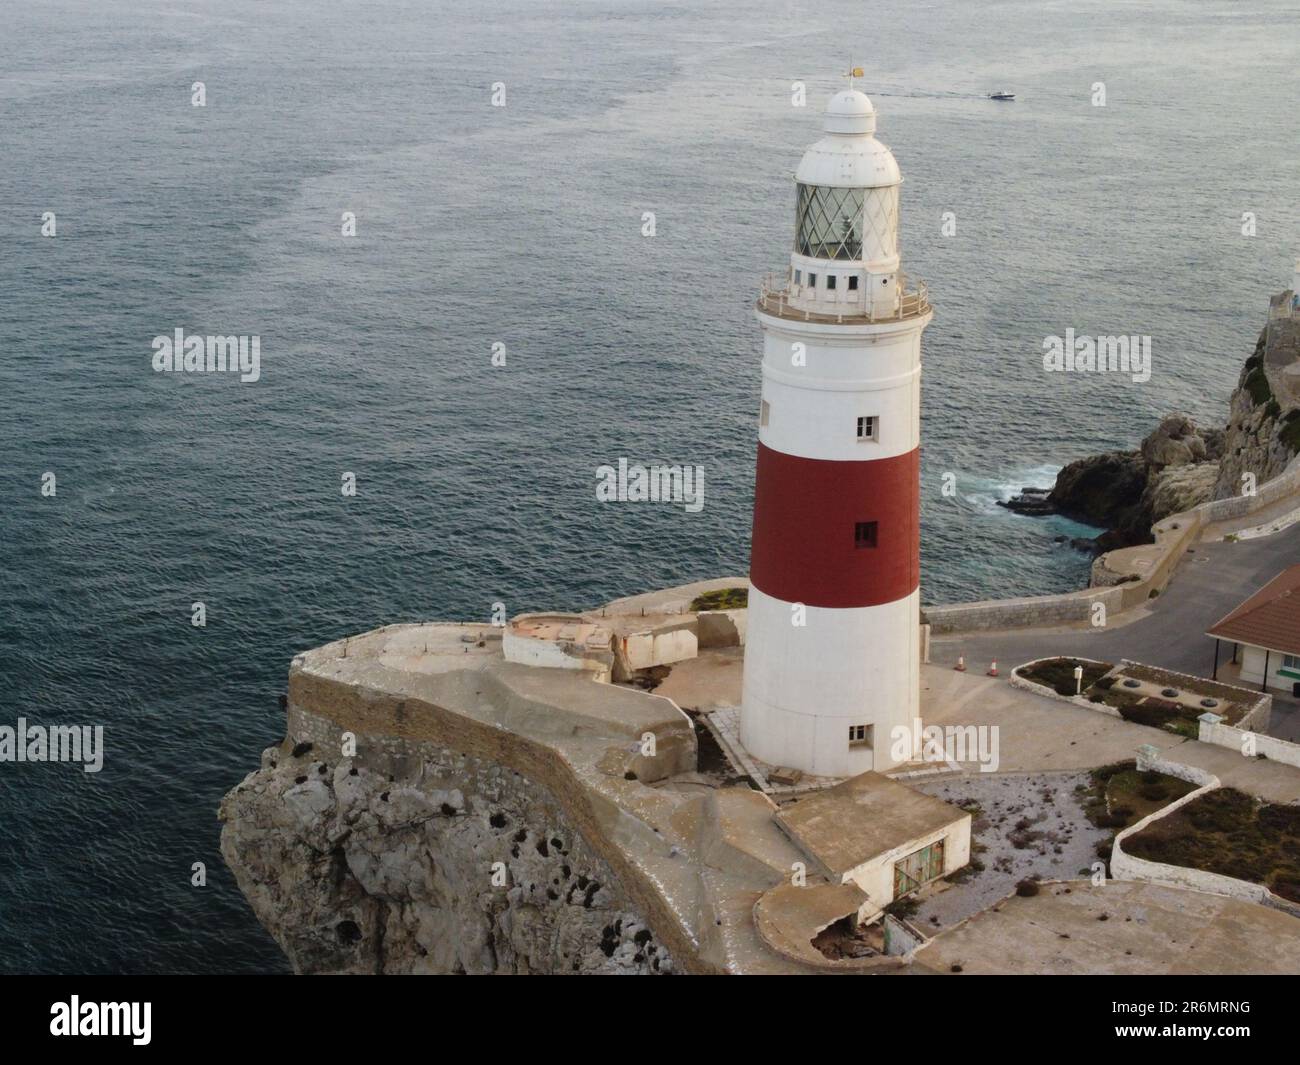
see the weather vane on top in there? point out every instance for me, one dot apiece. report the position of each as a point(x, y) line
point(854, 72)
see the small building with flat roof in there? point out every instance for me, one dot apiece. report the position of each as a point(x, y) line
point(879, 834)
point(1265, 635)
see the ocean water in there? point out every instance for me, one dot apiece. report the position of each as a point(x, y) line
point(522, 226)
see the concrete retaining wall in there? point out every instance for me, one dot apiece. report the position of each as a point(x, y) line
point(1284, 485)
point(1029, 611)
point(1270, 747)
point(901, 937)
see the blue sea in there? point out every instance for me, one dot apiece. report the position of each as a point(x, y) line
point(522, 226)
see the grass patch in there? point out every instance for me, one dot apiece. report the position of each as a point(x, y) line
point(1058, 673)
point(721, 599)
point(1118, 796)
point(1228, 832)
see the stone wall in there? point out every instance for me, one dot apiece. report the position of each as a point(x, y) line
point(1270, 747)
point(1029, 611)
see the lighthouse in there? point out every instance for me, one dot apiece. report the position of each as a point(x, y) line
point(832, 657)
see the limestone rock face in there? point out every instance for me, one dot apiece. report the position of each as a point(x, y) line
point(1178, 441)
point(1260, 437)
point(352, 871)
point(1179, 488)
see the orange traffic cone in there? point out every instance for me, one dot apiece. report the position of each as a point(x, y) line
point(993, 669)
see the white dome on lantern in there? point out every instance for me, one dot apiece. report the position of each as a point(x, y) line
point(850, 156)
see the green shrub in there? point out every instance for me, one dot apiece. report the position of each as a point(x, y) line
point(721, 599)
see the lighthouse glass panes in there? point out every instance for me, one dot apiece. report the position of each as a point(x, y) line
point(828, 222)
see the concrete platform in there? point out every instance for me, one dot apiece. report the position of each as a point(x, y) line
point(1120, 928)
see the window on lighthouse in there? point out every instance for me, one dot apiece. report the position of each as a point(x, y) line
point(867, 428)
point(829, 222)
point(860, 735)
point(864, 534)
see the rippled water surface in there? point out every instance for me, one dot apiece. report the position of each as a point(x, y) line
point(522, 225)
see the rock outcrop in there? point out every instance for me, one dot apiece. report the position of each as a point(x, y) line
point(462, 867)
point(1263, 432)
point(1126, 492)
point(1181, 465)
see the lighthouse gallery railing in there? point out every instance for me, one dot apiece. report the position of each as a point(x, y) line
point(775, 298)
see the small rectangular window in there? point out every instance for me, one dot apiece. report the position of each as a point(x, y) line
point(830, 280)
point(867, 428)
point(1291, 661)
point(853, 283)
point(864, 534)
point(812, 280)
point(860, 735)
point(798, 277)
point(764, 411)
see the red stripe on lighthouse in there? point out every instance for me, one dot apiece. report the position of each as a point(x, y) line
point(805, 514)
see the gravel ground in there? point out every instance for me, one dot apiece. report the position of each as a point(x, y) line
point(1029, 824)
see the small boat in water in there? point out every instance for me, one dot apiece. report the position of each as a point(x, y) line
point(1002, 96)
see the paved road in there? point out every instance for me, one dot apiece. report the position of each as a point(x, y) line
point(1169, 632)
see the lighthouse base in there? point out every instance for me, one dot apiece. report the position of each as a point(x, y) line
point(826, 696)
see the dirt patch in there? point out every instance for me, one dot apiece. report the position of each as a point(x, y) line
point(1031, 827)
point(1058, 673)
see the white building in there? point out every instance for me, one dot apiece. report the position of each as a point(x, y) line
point(1265, 634)
point(880, 835)
point(833, 643)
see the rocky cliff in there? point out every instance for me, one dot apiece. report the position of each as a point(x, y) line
point(1263, 432)
point(461, 866)
point(1181, 465)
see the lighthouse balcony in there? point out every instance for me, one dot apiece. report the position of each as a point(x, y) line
point(780, 297)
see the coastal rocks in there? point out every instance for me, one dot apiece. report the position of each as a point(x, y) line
point(1180, 488)
point(466, 867)
point(1126, 492)
point(1101, 490)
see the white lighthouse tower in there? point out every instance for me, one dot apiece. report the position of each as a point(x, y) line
point(832, 659)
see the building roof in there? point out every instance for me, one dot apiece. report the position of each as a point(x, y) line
point(1270, 618)
point(862, 818)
